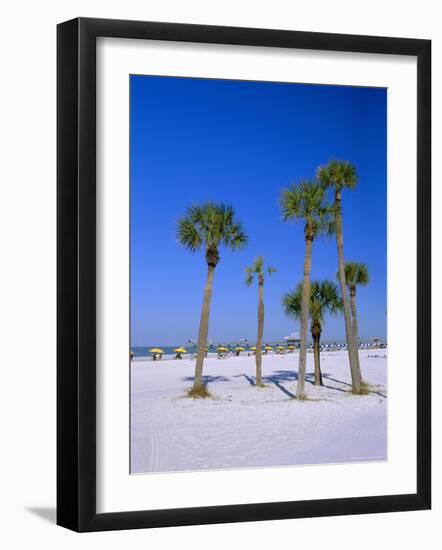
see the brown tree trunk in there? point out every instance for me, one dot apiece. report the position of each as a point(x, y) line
point(203, 329)
point(305, 302)
point(351, 344)
point(258, 353)
point(316, 335)
point(354, 322)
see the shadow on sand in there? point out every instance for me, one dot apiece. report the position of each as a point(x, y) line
point(349, 385)
point(207, 379)
point(275, 379)
point(278, 377)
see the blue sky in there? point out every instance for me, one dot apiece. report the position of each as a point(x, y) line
point(197, 140)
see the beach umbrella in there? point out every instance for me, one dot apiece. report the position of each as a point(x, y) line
point(238, 350)
point(179, 352)
point(221, 350)
point(155, 352)
point(267, 348)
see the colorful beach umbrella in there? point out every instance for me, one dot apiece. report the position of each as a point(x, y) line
point(156, 352)
point(179, 352)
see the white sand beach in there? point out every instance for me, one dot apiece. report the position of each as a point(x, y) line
point(243, 426)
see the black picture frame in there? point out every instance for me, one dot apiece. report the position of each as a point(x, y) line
point(77, 287)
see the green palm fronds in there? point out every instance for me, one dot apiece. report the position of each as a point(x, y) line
point(338, 175)
point(257, 269)
point(356, 274)
point(307, 202)
point(210, 225)
point(324, 298)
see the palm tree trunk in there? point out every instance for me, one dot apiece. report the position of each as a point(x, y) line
point(353, 354)
point(354, 322)
point(203, 330)
point(258, 353)
point(300, 388)
point(316, 335)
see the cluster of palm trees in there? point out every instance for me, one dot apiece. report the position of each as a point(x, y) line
point(210, 226)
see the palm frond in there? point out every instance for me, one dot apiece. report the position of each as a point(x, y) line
point(329, 297)
point(356, 274)
point(257, 268)
point(249, 276)
point(337, 175)
point(292, 302)
point(307, 202)
point(349, 175)
point(234, 236)
point(291, 203)
point(212, 225)
point(188, 234)
point(324, 298)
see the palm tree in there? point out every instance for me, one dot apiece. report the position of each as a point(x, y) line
point(355, 274)
point(208, 226)
point(339, 176)
point(306, 202)
point(257, 269)
point(324, 298)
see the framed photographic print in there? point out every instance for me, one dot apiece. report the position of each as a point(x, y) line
point(243, 274)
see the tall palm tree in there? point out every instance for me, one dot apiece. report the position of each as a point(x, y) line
point(324, 298)
point(306, 203)
point(257, 269)
point(208, 226)
point(355, 274)
point(337, 175)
